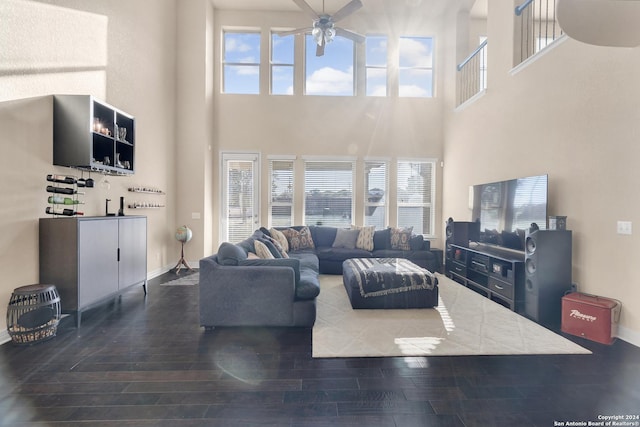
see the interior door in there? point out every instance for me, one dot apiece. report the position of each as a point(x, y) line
point(241, 196)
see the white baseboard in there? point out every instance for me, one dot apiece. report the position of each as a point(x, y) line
point(632, 337)
point(4, 337)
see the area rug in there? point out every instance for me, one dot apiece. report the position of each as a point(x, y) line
point(464, 323)
point(189, 278)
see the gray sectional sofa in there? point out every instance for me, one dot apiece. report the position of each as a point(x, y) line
point(238, 290)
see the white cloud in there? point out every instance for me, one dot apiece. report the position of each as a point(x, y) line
point(412, 91)
point(247, 71)
point(415, 53)
point(330, 81)
point(235, 45)
point(378, 90)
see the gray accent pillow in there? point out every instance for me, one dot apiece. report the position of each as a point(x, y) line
point(230, 254)
point(346, 239)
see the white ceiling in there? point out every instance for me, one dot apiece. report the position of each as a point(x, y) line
point(331, 6)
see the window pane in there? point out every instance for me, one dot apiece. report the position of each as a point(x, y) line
point(282, 80)
point(415, 83)
point(282, 64)
point(241, 70)
point(416, 67)
point(328, 193)
point(240, 197)
point(281, 192)
point(415, 195)
point(375, 202)
point(376, 82)
point(416, 52)
point(243, 79)
point(242, 48)
point(332, 73)
point(376, 66)
point(415, 216)
point(376, 51)
point(282, 49)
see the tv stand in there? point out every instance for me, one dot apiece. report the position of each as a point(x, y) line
point(495, 273)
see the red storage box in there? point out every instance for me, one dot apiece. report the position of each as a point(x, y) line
point(590, 316)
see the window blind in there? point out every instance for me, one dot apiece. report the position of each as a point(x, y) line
point(281, 193)
point(328, 187)
point(416, 192)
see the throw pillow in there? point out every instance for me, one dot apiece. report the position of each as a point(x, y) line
point(346, 239)
point(382, 239)
point(272, 248)
point(250, 255)
point(280, 237)
point(299, 239)
point(230, 254)
point(262, 250)
point(400, 238)
point(281, 253)
point(365, 237)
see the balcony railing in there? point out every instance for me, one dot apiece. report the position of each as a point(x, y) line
point(535, 28)
point(472, 73)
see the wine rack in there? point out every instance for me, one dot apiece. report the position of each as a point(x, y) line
point(63, 195)
point(146, 204)
point(89, 134)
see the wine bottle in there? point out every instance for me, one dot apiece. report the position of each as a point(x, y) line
point(62, 190)
point(59, 200)
point(61, 178)
point(65, 212)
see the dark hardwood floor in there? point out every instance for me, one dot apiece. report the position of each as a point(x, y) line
point(145, 362)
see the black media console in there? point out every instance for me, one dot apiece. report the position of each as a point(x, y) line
point(498, 274)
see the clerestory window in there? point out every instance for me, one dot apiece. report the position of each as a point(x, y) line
point(241, 62)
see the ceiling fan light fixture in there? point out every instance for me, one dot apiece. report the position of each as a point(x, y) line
point(317, 34)
point(329, 34)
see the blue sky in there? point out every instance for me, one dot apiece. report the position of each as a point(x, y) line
point(331, 74)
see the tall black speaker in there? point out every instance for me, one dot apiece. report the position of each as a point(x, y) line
point(461, 232)
point(547, 274)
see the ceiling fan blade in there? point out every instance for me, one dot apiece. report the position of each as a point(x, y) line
point(306, 8)
point(320, 48)
point(293, 32)
point(358, 38)
point(346, 10)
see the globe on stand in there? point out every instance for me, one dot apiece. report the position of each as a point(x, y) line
point(183, 235)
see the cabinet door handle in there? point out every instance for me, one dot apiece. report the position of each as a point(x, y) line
point(500, 288)
point(118, 254)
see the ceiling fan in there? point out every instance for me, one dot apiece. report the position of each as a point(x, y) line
point(324, 29)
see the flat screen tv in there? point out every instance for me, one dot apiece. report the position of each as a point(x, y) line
point(506, 209)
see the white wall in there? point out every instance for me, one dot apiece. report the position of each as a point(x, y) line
point(121, 51)
point(573, 114)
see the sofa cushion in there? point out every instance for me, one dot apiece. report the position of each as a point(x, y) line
point(341, 254)
point(299, 239)
point(281, 238)
point(365, 237)
point(345, 239)
point(274, 246)
point(400, 238)
point(308, 287)
point(308, 260)
point(382, 239)
point(416, 242)
point(262, 250)
point(323, 235)
point(247, 244)
point(266, 240)
point(230, 254)
point(280, 262)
